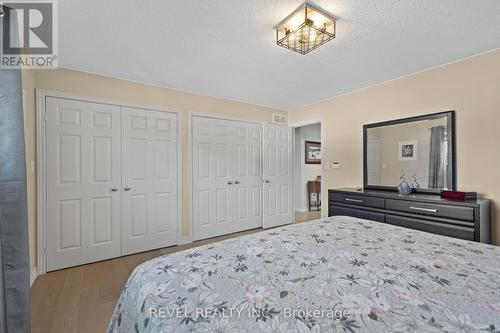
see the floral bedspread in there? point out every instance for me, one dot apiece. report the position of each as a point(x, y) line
point(338, 274)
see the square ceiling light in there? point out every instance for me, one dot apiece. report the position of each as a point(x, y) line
point(305, 29)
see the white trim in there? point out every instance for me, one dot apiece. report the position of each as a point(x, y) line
point(41, 197)
point(223, 117)
point(180, 175)
point(186, 240)
point(324, 191)
point(103, 100)
point(41, 200)
point(29, 170)
point(189, 180)
point(306, 123)
point(294, 220)
point(33, 276)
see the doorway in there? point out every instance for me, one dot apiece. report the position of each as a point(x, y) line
point(307, 172)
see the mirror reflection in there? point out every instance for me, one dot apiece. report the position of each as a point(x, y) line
point(419, 149)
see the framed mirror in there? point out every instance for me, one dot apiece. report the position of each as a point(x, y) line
point(423, 148)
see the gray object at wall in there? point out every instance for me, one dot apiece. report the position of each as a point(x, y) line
point(437, 169)
point(14, 255)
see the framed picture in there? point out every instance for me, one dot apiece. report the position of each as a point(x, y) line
point(313, 152)
point(407, 151)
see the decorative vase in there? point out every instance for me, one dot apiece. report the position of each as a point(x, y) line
point(403, 187)
point(415, 184)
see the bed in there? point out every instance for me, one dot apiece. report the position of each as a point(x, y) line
point(339, 274)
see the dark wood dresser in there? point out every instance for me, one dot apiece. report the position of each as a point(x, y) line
point(468, 220)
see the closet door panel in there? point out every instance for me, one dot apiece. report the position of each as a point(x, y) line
point(248, 177)
point(83, 180)
point(277, 168)
point(149, 154)
point(212, 157)
point(227, 176)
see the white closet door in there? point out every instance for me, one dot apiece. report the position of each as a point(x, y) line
point(247, 199)
point(149, 159)
point(277, 175)
point(83, 180)
point(213, 159)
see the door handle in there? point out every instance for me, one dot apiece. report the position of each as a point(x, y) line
point(114, 189)
point(425, 209)
point(267, 181)
point(236, 182)
point(127, 188)
point(354, 200)
point(229, 182)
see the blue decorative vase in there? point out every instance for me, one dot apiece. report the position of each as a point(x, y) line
point(403, 187)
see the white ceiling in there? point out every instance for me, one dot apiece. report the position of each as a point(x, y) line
point(226, 48)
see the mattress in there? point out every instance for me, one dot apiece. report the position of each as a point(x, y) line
point(339, 274)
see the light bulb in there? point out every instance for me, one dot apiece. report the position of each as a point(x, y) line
point(312, 33)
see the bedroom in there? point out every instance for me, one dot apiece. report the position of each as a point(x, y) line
point(173, 153)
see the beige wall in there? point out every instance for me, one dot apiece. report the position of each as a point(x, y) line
point(81, 83)
point(471, 87)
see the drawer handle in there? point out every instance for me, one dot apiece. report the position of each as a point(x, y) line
point(425, 209)
point(354, 200)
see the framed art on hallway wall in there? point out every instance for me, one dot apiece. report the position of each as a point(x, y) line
point(313, 152)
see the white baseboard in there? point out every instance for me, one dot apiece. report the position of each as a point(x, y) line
point(33, 275)
point(185, 240)
point(301, 209)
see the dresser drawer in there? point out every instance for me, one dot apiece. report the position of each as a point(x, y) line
point(359, 213)
point(444, 229)
point(359, 200)
point(446, 211)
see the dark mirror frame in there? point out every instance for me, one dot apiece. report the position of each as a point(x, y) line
point(450, 115)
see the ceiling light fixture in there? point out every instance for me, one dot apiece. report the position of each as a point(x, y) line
point(305, 29)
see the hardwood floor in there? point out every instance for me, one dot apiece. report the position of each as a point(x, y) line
point(307, 216)
point(83, 298)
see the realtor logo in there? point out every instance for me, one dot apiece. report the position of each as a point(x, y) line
point(29, 34)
